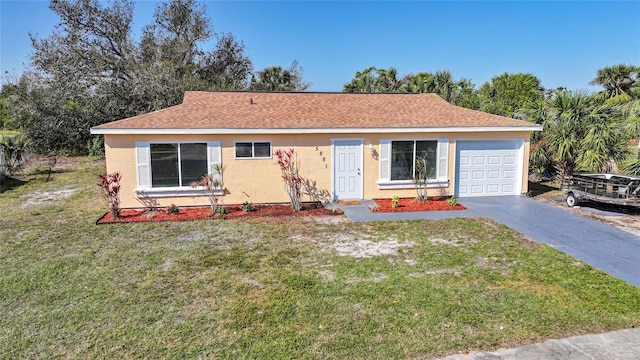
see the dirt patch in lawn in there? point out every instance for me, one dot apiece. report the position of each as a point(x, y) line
point(361, 248)
point(327, 219)
point(412, 204)
point(203, 213)
point(358, 246)
point(46, 197)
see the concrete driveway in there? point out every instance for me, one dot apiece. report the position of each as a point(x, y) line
point(614, 251)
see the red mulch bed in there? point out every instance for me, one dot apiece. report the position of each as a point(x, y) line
point(411, 204)
point(202, 213)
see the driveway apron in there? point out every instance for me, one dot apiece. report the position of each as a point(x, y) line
point(612, 250)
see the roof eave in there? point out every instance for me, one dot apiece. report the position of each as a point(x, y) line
point(232, 131)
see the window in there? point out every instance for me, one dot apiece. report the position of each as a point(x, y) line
point(177, 164)
point(168, 169)
point(403, 158)
point(253, 150)
point(398, 162)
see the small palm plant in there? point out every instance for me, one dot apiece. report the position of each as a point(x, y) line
point(423, 172)
point(14, 150)
point(213, 184)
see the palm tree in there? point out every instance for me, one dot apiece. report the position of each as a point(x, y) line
point(604, 142)
point(445, 86)
point(421, 82)
point(562, 127)
point(457, 92)
point(14, 150)
point(579, 133)
point(364, 82)
point(618, 81)
point(632, 112)
point(388, 81)
point(467, 95)
point(540, 159)
point(275, 78)
point(374, 80)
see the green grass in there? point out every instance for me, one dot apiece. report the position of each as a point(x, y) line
point(279, 288)
point(4, 132)
point(545, 189)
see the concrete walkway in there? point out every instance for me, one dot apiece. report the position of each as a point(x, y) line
point(618, 345)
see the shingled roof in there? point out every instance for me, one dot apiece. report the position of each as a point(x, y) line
point(237, 112)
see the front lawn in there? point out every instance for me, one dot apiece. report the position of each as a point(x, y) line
point(279, 288)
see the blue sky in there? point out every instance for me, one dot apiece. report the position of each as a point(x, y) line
point(563, 43)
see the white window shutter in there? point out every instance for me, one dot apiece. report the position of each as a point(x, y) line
point(442, 171)
point(214, 154)
point(385, 162)
point(143, 164)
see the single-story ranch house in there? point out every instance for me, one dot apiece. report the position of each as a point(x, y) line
point(349, 146)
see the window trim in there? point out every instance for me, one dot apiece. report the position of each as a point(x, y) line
point(143, 167)
point(253, 144)
point(409, 184)
point(441, 171)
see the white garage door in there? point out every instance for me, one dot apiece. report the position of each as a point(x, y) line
point(488, 168)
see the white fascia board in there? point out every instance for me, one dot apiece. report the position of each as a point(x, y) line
point(99, 131)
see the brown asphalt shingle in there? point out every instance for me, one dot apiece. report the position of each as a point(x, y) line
point(254, 110)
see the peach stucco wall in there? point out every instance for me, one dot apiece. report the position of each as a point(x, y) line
point(259, 181)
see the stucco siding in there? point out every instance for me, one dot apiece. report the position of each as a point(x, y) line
point(259, 180)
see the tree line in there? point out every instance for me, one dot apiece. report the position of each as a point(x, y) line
point(91, 70)
point(582, 131)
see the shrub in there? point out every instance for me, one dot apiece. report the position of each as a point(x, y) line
point(95, 147)
point(14, 151)
point(247, 207)
point(172, 209)
point(110, 187)
point(292, 180)
point(452, 201)
point(395, 201)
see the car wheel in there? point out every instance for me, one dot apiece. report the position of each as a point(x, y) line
point(571, 200)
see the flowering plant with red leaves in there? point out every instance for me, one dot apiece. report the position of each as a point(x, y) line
point(292, 180)
point(110, 188)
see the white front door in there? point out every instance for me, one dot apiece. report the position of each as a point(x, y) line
point(347, 169)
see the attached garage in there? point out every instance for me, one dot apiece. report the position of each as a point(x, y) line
point(489, 168)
